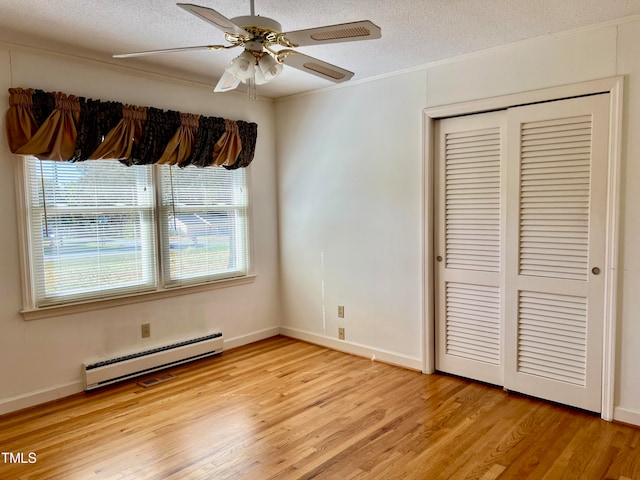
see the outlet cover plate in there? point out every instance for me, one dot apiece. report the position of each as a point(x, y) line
point(145, 330)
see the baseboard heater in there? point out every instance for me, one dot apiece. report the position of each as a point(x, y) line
point(114, 370)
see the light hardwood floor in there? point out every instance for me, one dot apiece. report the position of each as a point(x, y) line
point(284, 409)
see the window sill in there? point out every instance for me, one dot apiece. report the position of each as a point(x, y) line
point(71, 308)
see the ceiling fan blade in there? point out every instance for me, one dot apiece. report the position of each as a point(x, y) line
point(344, 32)
point(168, 50)
point(214, 18)
point(314, 66)
point(226, 83)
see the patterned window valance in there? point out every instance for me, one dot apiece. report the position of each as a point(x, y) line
point(57, 126)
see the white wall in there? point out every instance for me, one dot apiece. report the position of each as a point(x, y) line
point(350, 213)
point(349, 167)
point(41, 359)
point(628, 384)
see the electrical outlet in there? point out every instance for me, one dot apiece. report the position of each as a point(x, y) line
point(340, 311)
point(340, 333)
point(145, 330)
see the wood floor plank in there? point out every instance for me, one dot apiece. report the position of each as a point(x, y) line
point(284, 409)
point(493, 472)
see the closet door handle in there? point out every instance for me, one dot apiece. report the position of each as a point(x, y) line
point(439, 258)
point(595, 270)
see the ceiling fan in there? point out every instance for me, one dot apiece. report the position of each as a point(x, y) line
point(267, 49)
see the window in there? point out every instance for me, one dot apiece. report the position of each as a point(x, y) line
point(203, 224)
point(99, 229)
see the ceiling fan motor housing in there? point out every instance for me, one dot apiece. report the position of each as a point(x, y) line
point(250, 22)
point(253, 45)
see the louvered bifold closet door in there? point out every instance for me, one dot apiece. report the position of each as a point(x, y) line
point(555, 249)
point(468, 246)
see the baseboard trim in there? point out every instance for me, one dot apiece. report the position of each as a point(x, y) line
point(626, 415)
point(241, 340)
point(354, 348)
point(49, 394)
point(38, 397)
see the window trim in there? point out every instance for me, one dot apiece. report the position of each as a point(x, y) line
point(29, 312)
point(89, 305)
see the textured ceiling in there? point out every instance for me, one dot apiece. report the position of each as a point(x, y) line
point(414, 32)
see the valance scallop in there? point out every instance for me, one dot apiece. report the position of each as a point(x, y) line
point(57, 126)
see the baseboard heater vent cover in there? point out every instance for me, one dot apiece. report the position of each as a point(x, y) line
point(114, 370)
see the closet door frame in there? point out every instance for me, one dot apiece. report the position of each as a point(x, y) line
point(614, 87)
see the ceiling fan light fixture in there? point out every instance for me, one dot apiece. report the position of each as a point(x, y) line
point(260, 78)
point(243, 66)
point(252, 68)
point(269, 67)
point(227, 82)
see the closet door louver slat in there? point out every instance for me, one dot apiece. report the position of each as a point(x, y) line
point(472, 199)
point(552, 331)
point(549, 215)
point(473, 326)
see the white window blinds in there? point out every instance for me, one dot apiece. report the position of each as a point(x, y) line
point(91, 230)
point(93, 227)
point(203, 224)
